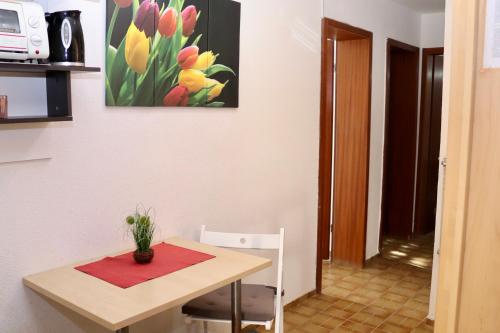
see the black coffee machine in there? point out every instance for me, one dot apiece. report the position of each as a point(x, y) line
point(67, 46)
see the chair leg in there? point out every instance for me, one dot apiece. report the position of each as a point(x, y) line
point(282, 321)
point(205, 327)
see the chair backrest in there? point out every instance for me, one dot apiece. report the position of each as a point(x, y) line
point(241, 241)
point(252, 241)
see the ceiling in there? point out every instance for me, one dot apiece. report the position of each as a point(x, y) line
point(424, 6)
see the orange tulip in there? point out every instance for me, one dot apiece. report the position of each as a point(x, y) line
point(178, 96)
point(123, 3)
point(187, 57)
point(168, 23)
point(189, 17)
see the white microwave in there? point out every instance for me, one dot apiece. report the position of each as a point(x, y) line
point(23, 31)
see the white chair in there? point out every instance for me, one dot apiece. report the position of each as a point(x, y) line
point(261, 305)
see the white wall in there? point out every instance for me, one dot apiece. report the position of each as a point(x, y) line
point(253, 169)
point(385, 19)
point(432, 30)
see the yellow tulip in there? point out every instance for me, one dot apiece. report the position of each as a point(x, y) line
point(193, 80)
point(205, 60)
point(136, 49)
point(215, 90)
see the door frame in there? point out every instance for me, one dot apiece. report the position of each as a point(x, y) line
point(392, 43)
point(331, 30)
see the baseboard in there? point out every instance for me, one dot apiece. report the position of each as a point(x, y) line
point(300, 299)
point(371, 259)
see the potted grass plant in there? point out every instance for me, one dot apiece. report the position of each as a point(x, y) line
point(142, 228)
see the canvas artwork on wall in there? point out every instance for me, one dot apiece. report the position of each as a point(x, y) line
point(172, 53)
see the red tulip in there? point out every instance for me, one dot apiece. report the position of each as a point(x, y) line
point(168, 23)
point(178, 96)
point(123, 3)
point(189, 17)
point(148, 17)
point(187, 57)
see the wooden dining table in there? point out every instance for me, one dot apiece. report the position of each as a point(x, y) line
point(117, 308)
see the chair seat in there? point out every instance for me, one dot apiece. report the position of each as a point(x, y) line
point(257, 304)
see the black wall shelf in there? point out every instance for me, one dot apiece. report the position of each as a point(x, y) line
point(35, 68)
point(34, 119)
point(58, 80)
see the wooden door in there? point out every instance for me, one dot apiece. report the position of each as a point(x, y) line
point(400, 140)
point(352, 133)
point(352, 130)
point(429, 141)
point(480, 287)
point(469, 289)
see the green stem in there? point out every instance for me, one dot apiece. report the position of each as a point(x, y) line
point(112, 24)
point(109, 94)
point(135, 83)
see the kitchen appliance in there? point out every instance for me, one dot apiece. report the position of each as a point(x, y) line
point(23, 32)
point(67, 46)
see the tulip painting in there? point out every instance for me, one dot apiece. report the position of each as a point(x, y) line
point(171, 53)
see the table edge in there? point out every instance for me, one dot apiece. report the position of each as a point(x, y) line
point(114, 326)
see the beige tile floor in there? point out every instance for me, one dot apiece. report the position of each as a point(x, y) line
point(387, 296)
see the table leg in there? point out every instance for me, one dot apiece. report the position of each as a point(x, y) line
point(123, 330)
point(236, 307)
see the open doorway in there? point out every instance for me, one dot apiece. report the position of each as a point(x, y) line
point(400, 144)
point(411, 162)
point(429, 140)
point(344, 144)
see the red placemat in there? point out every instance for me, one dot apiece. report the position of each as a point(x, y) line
point(123, 271)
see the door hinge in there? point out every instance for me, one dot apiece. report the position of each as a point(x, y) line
point(444, 162)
